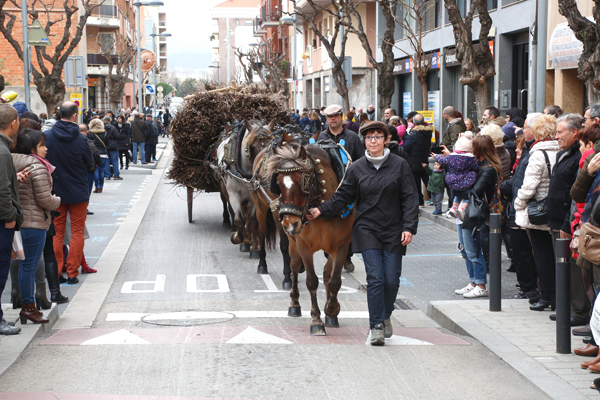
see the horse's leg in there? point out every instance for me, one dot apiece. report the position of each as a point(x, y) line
point(237, 237)
point(254, 239)
point(284, 246)
point(294, 310)
point(332, 279)
point(226, 221)
point(317, 327)
point(261, 216)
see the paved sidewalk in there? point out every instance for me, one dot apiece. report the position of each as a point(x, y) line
point(524, 339)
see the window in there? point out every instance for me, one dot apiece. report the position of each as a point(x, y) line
point(107, 41)
point(248, 22)
point(462, 8)
point(432, 16)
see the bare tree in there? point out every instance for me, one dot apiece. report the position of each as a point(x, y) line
point(274, 66)
point(47, 74)
point(125, 50)
point(385, 68)
point(477, 66)
point(586, 32)
point(412, 23)
point(330, 41)
point(245, 67)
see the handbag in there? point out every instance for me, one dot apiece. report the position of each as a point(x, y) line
point(478, 210)
point(538, 209)
point(589, 243)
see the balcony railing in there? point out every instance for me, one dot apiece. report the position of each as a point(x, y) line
point(106, 11)
point(99, 59)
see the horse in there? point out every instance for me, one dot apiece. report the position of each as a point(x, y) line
point(268, 219)
point(251, 139)
point(303, 177)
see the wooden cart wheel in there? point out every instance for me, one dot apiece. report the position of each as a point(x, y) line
point(190, 202)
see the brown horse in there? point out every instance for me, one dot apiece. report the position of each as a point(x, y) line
point(304, 177)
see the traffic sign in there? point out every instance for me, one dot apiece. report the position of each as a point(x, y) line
point(77, 98)
point(150, 89)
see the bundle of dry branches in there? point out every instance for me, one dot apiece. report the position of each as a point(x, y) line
point(200, 121)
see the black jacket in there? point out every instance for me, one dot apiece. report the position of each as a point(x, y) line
point(70, 153)
point(386, 204)
point(510, 188)
point(398, 150)
point(10, 207)
point(95, 154)
point(124, 141)
point(101, 141)
point(113, 137)
point(419, 155)
point(138, 130)
point(564, 174)
point(484, 186)
point(353, 145)
point(151, 133)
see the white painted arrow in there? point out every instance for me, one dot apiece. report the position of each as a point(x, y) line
point(122, 336)
point(254, 336)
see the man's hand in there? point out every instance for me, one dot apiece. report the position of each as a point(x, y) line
point(313, 213)
point(565, 235)
point(594, 164)
point(406, 238)
point(10, 225)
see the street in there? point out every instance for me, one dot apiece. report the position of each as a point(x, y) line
point(186, 316)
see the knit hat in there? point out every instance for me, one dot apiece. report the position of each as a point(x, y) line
point(20, 107)
point(97, 126)
point(465, 142)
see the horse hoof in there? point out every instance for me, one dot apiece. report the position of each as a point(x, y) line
point(317, 330)
point(235, 240)
point(262, 269)
point(286, 285)
point(295, 312)
point(226, 225)
point(244, 248)
point(254, 255)
point(332, 322)
point(302, 269)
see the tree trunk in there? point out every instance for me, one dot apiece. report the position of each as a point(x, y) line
point(481, 99)
point(51, 90)
point(423, 82)
point(385, 90)
point(340, 83)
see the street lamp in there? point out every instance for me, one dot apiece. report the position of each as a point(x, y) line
point(138, 4)
point(154, 102)
point(286, 20)
point(218, 67)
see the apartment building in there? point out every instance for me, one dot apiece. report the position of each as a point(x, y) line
point(232, 28)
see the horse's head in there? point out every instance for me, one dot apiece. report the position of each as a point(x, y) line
point(257, 138)
point(293, 179)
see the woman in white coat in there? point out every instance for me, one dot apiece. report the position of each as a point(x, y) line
point(536, 185)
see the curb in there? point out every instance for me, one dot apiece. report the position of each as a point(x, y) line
point(451, 316)
point(447, 223)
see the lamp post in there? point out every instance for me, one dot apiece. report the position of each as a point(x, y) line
point(218, 67)
point(138, 4)
point(154, 36)
point(287, 20)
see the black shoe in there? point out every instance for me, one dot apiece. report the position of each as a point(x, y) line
point(511, 268)
point(72, 281)
point(89, 212)
point(520, 295)
point(542, 304)
point(62, 279)
point(533, 296)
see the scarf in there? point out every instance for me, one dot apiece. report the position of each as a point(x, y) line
point(46, 164)
point(377, 161)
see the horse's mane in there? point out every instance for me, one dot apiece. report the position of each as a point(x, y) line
point(287, 157)
point(258, 129)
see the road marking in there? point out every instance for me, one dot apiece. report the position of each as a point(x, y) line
point(253, 336)
point(159, 285)
point(271, 288)
point(400, 341)
point(122, 336)
point(136, 317)
point(186, 315)
point(192, 284)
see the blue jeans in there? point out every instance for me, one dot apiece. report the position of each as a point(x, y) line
point(113, 156)
point(437, 199)
point(142, 151)
point(6, 241)
point(383, 280)
point(33, 244)
point(91, 176)
point(99, 173)
point(470, 248)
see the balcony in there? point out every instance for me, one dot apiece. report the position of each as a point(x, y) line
point(257, 28)
point(270, 21)
point(99, 59)
point(105, 16)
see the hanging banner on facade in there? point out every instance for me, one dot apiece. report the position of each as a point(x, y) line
point(406, 103)
point(564, 49)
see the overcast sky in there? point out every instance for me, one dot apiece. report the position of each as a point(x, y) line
point(190, 24)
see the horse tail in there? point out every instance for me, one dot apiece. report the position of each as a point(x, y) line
point(271, 237)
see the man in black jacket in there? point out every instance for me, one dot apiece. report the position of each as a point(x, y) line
point(112, 149)
point(564, 174)
point(138, 137)
point(421, 134)
point(151, 140)
point(336, 132)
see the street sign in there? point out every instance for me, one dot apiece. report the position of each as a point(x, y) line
point(37, 35)
point(77, 98)
point(74, 71)
point(150, 89)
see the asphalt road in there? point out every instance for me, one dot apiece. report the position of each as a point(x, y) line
point(187, 316)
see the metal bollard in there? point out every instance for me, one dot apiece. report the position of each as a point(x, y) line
point(563, 297)
point(495, 286)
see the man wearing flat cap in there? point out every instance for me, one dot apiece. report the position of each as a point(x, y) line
point(336, 132)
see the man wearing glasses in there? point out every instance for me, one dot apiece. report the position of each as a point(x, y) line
point(336, 132)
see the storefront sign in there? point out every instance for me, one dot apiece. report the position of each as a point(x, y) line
point(564, 49)
point(405, 66)
point(451, 59)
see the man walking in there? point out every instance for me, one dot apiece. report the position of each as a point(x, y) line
point(138, 137)
point(11, 213)
point(70, 153)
